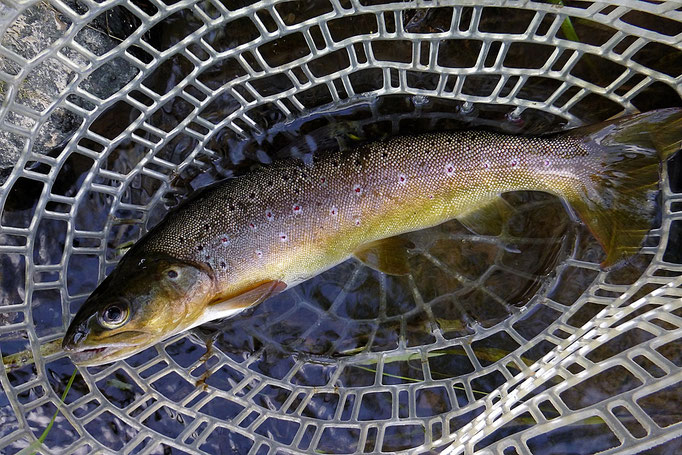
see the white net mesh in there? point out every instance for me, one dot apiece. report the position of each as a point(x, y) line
point(112, 111)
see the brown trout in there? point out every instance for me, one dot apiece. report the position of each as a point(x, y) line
point(240, 241)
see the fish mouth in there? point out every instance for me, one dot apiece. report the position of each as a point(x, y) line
point(93, 356)
point(92, 353)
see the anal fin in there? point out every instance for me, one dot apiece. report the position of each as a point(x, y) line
point(386, 255)
point(489, 219)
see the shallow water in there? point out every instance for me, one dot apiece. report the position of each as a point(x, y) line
point(459, 285)
point(323, 336)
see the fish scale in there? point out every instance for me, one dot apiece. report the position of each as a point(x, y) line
point(237, 242)
point(370, 201)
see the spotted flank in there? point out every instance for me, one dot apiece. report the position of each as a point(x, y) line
point(245, 239)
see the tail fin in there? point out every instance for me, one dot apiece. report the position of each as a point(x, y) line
point(618, 203)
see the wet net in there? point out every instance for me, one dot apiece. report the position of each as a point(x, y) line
point(113, 111)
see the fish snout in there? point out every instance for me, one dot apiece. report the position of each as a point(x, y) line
point(74, 336)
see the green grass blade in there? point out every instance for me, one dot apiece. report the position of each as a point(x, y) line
point(567, 25)
point(31, 449)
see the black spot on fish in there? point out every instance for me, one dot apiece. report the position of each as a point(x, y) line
point(208, 257)
point(335, 163)
point(358, 162)
point(252, 195)
point(181, 239)
point(222, 264)
point(384, 154)
point(285, 178)
point(207, 226)
point(200, 247)
point(270, 183)
point(231, 207)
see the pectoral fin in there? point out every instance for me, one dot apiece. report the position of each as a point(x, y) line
point(386, 255)
point(489, 219)
point(248, 298)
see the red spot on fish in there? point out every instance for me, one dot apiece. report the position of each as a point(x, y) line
point(259, 253)
point(514, 162)
point(269, 215)
point(283, 237)
point(357, 221)
point(402, 178)
point(333, 211)
point(357, 189)
point(449, 169)
point(224, 239)
point(322, 180)
point(297, 208)
point(486, 165)
point(252, 226)
point(547, 163)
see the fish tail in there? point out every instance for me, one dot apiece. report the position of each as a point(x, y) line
point(618, 201)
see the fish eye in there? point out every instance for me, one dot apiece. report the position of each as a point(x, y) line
point(114, 315)
point(172, 274)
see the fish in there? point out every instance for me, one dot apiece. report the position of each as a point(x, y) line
point(240, 241)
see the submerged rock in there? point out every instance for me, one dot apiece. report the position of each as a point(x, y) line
point(38, 89)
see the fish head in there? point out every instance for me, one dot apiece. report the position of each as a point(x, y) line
point(143, 301)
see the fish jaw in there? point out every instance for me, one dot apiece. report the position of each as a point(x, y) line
point(83, 354)
point(96, 356)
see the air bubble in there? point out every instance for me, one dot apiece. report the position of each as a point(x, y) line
point(420, 100)
point(467, 108)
